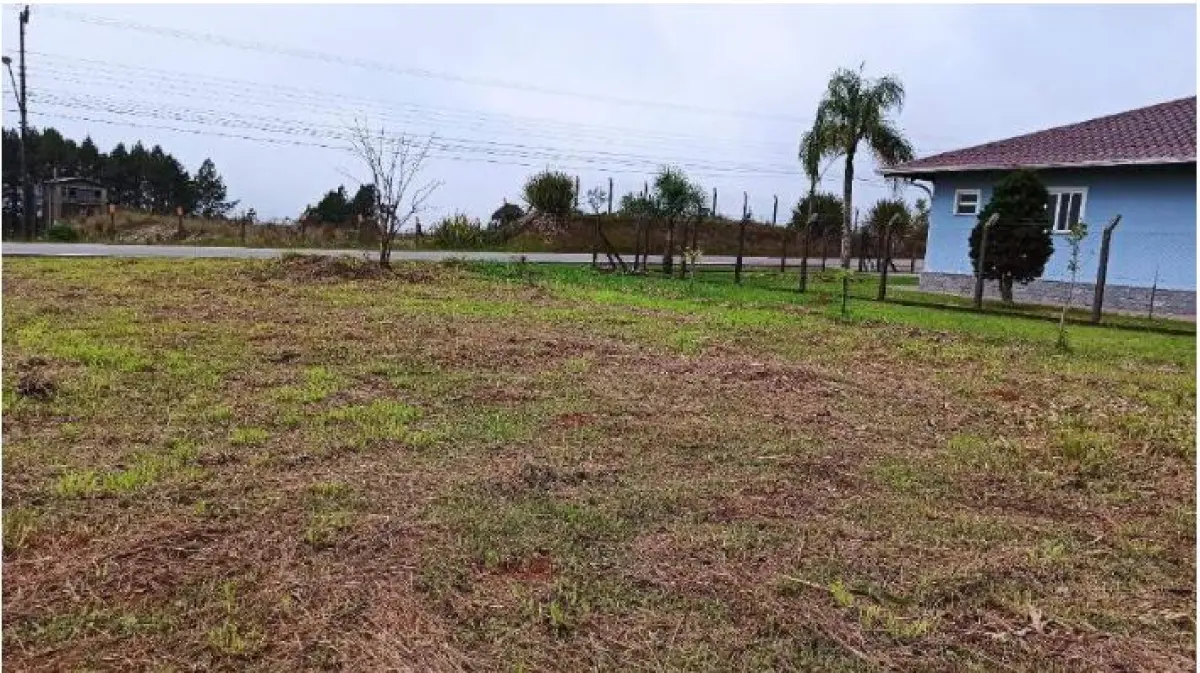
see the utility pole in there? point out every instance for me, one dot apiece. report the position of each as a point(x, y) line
point(27, 198)
point(27, 206)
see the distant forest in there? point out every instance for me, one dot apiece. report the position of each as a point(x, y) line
point(150, 180)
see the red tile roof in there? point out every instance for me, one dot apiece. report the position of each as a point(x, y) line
point(1158, 134)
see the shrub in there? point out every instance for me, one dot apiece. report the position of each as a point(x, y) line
point(551, 193)
point(458, 232)
point(1019, 243)
point(62, 233)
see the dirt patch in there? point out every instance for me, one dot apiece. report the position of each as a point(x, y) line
point(327, 268)
point(36, 380)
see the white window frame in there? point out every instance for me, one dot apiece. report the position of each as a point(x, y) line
point(1055, 192)
point(978, 202)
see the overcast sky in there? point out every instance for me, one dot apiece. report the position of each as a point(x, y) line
point(723, 91)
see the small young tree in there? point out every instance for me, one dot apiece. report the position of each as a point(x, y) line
point(878, 218)
point(209, 190)
point(596, 196)
point(394, 164)
point(1075, 236)
point(676, 198)
point(551, 193)
point(1019, 243)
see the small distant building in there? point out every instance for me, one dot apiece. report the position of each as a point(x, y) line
point(73, 197)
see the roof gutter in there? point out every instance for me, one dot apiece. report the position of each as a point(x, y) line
point(963, 168)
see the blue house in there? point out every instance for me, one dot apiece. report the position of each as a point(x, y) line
point(1139, 164)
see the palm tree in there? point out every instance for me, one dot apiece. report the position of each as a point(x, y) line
point(854, 110)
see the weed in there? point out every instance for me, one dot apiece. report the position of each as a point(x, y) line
point(248, 437)
point(319, 383)
point(841, 595)
point(19, 525)
point(381, 419)
point(234, 640)
point(324, 528)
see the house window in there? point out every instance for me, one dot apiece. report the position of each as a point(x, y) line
point(1065, 207)
point(966, 201)
point(71, 193)
point(96, 194)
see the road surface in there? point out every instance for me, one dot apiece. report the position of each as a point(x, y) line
point(193, 251)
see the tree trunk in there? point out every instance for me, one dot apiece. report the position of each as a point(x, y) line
point(847, 199)
point(385, 250)
point(1006, 288)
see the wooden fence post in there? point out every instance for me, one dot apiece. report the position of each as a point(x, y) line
point(1102, 272)
point(775, 223)
point(982, 259)
point(737, 268)
point(1153, 292)
point(887, 255)
point(808, 226)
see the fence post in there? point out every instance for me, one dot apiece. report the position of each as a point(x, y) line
point(861, 242)
point(808, 226)
point(1102, 272)
point(774, 223)
point(1153, 291)
point(982, 259)
point(595, 241)
point(845, 292)
point(887, 255)
point(737, 268)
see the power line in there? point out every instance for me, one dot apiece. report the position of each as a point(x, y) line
point(326, 131)
point(93, 100)
point(119, 76)
point(324, 57)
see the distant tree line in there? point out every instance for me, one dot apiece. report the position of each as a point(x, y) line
point(338, 208)
point(150, 180)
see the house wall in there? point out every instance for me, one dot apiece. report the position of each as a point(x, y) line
point(1157, 205)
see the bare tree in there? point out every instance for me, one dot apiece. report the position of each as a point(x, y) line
point(395, 165)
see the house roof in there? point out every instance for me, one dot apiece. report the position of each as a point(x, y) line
point(1159, 134)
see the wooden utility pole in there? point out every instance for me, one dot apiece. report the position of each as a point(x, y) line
point(982, 258)
point(610, 190)
point(737, 269)
point(576, 192)
point(27, 204)
point(714, 208)
point(1102, 272)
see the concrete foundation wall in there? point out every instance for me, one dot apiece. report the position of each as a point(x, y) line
point(1124, 298)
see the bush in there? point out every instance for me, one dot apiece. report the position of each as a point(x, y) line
point(551, 193)
point(458, 232)
point(1019, 244)
point(62, 233)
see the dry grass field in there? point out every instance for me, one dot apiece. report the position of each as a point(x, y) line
point(311, 465)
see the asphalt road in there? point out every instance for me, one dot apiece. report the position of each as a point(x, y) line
point(192, 251)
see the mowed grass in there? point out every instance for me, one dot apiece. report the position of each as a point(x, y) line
point(314, 466)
